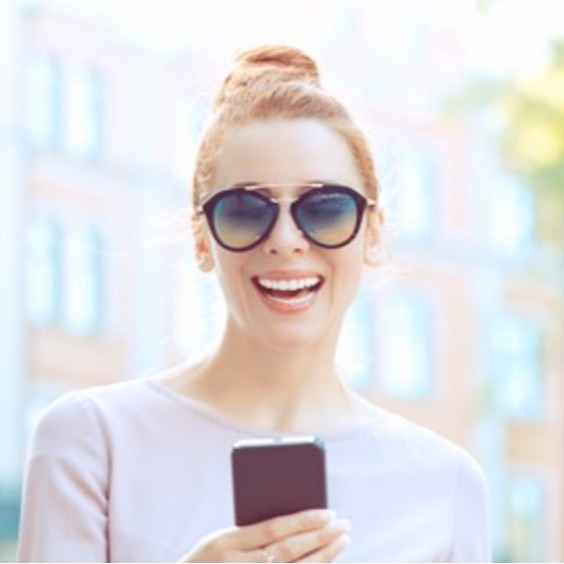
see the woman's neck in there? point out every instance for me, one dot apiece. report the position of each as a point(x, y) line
point(294, 390)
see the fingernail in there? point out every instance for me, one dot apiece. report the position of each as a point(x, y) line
point(341, 525)
point(327, 515)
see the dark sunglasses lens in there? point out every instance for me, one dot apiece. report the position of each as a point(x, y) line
point(329, 217)
point(241, 219)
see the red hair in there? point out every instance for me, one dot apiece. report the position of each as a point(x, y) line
point(276, 82)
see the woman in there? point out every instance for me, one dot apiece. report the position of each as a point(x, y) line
point(286, 213)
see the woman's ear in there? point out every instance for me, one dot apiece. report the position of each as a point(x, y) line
point(372, 243)
point(202, 248)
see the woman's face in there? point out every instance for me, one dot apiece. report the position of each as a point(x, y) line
point(286, 292)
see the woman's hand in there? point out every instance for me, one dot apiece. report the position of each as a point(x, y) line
point(308, 536)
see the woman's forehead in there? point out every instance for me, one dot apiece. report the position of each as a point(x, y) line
point(284, 151)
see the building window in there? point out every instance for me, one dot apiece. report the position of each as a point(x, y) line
point(512, 216)
point(414, 203)
point(356, 343)
point(405, 345)
point(83, 281)
point(83, 98)
point(43, 271)
point(525, 519)
point(43, 103)
point(517, 369)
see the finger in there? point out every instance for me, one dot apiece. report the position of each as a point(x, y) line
point(273, 530)
point(299, 546)
point(329, 552)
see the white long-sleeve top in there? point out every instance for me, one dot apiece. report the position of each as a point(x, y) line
point(135, 472)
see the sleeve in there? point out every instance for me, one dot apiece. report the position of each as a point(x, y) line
point(65, 498)
point(471, 537)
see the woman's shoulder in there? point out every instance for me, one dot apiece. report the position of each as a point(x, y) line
point(134, 392)
point(96, 410)
point(398, 437)
point(75, 403)
point(73, 414)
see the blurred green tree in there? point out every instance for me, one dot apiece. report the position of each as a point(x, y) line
point(533, 112)
point(532, 137)
point(529, 111)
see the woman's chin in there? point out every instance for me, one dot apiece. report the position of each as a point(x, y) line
point(292, 340)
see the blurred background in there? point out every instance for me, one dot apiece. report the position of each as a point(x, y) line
point(101, 106)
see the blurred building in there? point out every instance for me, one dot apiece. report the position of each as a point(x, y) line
point(98, 284)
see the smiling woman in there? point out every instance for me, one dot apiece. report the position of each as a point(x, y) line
point(286, 215)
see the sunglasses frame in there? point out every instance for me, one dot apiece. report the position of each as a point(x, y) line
point(207, 207)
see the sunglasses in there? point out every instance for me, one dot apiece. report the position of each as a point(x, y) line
point(328, 215)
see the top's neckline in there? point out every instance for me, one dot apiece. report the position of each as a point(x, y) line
point(207, 412)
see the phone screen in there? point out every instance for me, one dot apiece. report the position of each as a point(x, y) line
point(273, 477)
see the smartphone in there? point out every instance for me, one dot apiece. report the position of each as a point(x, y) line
point(273, 477)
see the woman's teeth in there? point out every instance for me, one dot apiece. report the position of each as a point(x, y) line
point(291, 285)
point(290, 292)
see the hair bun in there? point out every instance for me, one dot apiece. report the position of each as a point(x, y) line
point(275, 63)
point(282, 58)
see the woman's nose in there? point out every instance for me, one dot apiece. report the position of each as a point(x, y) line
point(286, 238)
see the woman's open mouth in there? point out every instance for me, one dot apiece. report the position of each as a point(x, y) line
point(289, 294)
